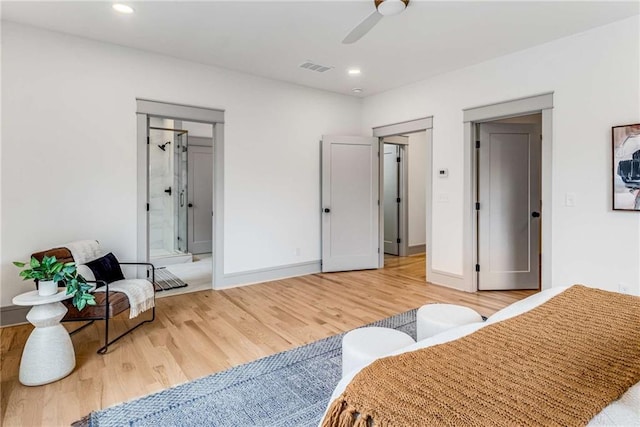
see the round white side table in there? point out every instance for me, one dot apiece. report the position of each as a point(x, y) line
point(48, 354)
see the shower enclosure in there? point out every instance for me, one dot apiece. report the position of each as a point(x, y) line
point(167, 150)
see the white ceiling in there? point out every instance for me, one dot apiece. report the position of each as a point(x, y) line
point(272, 39)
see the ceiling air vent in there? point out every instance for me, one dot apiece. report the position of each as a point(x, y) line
point(312, 66)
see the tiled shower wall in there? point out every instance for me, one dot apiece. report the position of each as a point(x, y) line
point(161, 204)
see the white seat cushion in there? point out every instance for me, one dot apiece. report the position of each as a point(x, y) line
point(362, 346)
point(432, 319)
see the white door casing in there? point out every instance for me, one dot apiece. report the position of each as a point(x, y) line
point(200, 196)
point(391, 195)
point(350, 220)
point(509, 161)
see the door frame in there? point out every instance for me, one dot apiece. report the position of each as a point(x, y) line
point(403, 183)
point(543, 104)
point(145, 109)
point(401, 128)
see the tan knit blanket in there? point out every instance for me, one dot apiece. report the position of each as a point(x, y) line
point(560, 363)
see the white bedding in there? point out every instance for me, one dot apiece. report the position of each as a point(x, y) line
point(622, 412)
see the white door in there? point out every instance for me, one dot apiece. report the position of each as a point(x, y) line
point(200, 196)
point(509, 216)
point(349, 203)
point(391, 197)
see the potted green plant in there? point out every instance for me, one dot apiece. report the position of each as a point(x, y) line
point(49, 273)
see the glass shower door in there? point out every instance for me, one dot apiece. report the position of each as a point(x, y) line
point(167, 150)
point(180, 180)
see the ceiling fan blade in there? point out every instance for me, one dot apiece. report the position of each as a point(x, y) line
point(363, 28)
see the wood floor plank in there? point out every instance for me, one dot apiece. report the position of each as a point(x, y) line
point(200, 333)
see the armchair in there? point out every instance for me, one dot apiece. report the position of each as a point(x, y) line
point(109, 303)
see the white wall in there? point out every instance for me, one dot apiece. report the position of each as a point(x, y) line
point(69, 149)
point(417, 188)
point(200, 130)
point(61, 97)
point(595, 77)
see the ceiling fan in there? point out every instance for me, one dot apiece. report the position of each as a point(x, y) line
point(383, 8)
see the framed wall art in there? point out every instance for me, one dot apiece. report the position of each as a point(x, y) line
point(626, 167)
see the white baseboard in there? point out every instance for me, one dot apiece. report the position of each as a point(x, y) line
point(449, 280)
point(13, 315)
point(251, 277)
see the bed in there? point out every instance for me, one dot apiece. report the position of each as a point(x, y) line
point(624, 411)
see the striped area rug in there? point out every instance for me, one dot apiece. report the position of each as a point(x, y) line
point(286, 389)
point(166, 280)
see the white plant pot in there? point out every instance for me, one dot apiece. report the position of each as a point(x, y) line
point(46, 288)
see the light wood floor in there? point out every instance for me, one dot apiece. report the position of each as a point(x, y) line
point(200, 333)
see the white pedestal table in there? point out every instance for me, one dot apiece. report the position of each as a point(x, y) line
point(48, 354)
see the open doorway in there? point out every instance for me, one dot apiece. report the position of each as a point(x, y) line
point(405, 187)
point(352, 201)
point(515, 109)
point(404, 194)
point(180, 188)
point(508, 203)
point(404, 176)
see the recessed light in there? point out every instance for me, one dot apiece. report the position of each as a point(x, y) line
point(356, 90)
point(354, 71)
point(122, 8)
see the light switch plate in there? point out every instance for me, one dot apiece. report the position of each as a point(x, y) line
point(570, 200)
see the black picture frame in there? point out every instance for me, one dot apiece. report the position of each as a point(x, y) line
point(625, 180)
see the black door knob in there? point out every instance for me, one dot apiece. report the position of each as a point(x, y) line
point(190, 205)
point(535, 214)
point(327, 210)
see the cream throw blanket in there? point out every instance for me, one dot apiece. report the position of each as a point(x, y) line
point(140, 292)
point(84, 251)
